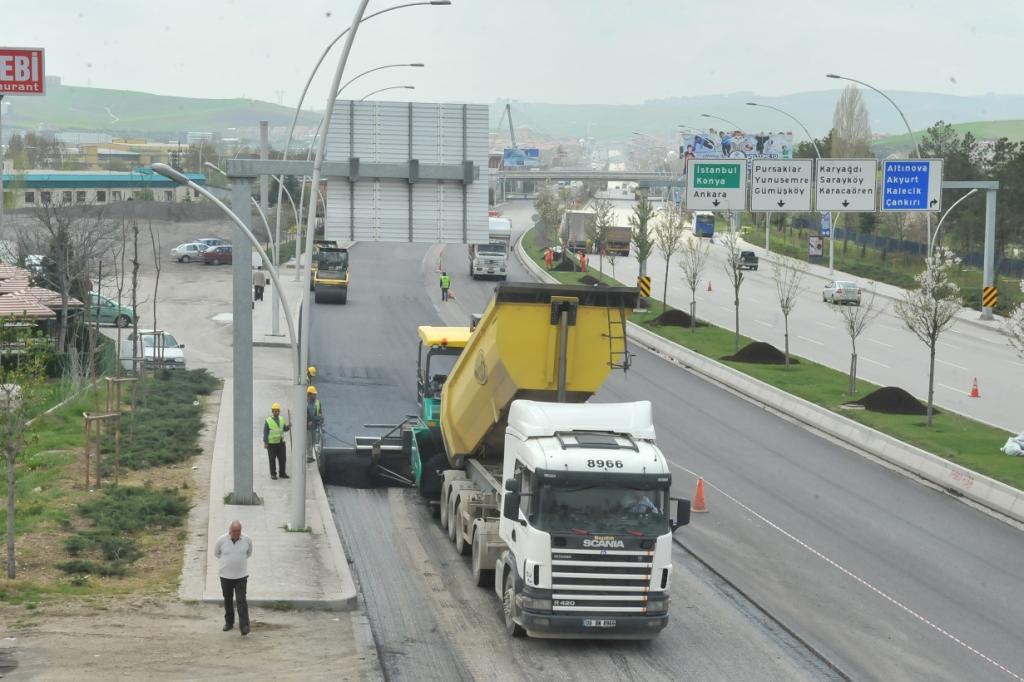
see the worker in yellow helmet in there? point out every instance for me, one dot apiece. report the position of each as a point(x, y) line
point(311, 373)
point(314, 412)
point(274, 429)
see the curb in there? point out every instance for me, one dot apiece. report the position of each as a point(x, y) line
point(953, 478)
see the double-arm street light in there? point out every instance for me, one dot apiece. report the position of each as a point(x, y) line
point(932, 236)
point(895, 106)
point(391, 87)
point(723, 120)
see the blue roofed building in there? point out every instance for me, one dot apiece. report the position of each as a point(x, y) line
point(31, 188)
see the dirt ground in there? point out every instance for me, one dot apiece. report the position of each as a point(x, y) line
point(150, 633)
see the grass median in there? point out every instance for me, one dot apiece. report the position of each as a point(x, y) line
point(959, 439)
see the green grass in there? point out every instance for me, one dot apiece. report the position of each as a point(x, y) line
point(982, 130)
point(953, 437)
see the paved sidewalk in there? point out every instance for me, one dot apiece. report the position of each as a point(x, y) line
point(295, 569)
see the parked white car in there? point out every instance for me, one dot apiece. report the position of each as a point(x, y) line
point(146, 349)
point(212, 241)
point(841, 291)
point(186, 253)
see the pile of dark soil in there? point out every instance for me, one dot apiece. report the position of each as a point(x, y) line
point(676, 318)
point(566, 266)
point(892, 400)
point(761, 353)
point(591, 281)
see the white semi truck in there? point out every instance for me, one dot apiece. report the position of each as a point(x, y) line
point(491, 259)
point(564, 505)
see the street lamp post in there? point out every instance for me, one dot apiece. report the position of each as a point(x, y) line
point(734, 218)
point(817, 153)
point(932, 236)
point(895, 106)
point(242, 336)
point(263, 216)
point(392, 87)
point(723, 120)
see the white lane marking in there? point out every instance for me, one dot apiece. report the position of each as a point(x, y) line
point(949, 345)
point(951, 364)
point(880, 343)
point(825, 325)
point(874, 362)
point(850, 574)
point(817, 343)
point(767, 324)
point(727, 307)
point(955, 390)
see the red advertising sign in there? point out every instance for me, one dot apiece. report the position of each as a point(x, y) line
point(21, 71)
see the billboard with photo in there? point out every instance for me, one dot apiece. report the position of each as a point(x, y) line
point(721, 144)
point(521, 157)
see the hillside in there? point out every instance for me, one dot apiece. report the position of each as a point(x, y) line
point(126, 112)
point(982, 130)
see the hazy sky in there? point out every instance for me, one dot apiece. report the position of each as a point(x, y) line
point(570, 51)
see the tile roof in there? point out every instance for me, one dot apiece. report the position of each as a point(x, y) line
point(15, 305)
point(47, 297)
point(14, 283)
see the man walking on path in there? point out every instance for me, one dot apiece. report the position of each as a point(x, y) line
point(259, 283)
point(446, 283)
point(233, 549)
point(273, 440)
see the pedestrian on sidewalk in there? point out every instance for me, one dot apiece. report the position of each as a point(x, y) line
point(549, 258)
point(259, 283)
point(273, 440)
point(233, 549)
point(446, 283)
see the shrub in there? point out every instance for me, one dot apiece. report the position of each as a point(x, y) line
point(128, 508)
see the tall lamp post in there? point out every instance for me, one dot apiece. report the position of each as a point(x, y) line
point(392, 87)
point(817, 153)
point(723, 120)
point(733, 218)
point(932, 236)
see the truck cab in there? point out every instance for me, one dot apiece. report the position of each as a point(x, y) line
point(587, 521)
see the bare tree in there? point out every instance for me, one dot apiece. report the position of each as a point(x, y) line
point(1014, 326)
point(931, 308)
point(22, 378)
point(855, 320)
point(640, 227)
point(597, 231)
point(734, 270)
point(788, 274)
point(695, 252)
point(158, 338)
point(611, 261)
point(668, 235)
point(851, 129)
point(550, 208)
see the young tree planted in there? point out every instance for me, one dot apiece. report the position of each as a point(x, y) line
point(733, 269)
point(855, 320)
point(597, 232)
point(931, 308)
point(640, 228)
point(668, 236)
point(23, 355)
point(695, 254)
point(788, 274)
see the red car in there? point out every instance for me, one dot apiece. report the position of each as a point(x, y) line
point(216, 255)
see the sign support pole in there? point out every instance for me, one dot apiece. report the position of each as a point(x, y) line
point(1, 163)
point(988, 278)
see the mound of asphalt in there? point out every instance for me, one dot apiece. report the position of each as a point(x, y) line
point(591, 281)
point(566, 266)
point(892, 400)
point(675, 318)
point(761, 353)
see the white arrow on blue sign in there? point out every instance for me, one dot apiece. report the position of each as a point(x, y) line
point(912, 185)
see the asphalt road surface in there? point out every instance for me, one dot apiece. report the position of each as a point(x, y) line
point(884, 576)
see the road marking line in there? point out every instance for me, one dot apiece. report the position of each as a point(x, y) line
point(817, 343)
point(850, 574)
point(825, 325)
point(874, 362)
point(727, 307)
point(949, 345)
point(767, 324)
point(955, 390)
point(880, 343)
point(952, 364)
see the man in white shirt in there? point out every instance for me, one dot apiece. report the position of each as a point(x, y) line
point(233, 549)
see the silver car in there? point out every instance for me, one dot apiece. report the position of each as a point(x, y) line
point(841, 291)
point(186, 253)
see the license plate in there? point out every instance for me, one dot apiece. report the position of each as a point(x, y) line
point(598, 623)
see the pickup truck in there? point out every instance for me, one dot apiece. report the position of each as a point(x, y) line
point(748, 260)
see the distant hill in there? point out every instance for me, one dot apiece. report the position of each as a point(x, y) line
point(982, 130)
point(662, 117)
point(125, 112)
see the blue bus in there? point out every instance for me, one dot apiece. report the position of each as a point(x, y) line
point(704, 224)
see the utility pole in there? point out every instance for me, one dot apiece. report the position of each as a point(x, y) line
point(275, 295)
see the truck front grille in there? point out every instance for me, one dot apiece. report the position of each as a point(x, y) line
point(600, 581)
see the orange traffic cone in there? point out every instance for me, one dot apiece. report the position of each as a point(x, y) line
point(709, 285)
point(699, 505)
point(974, 389)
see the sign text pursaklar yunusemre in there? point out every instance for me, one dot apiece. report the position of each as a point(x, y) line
point(21, 71)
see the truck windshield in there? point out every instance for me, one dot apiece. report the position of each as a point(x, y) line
point(495, 248)
point(601, 509)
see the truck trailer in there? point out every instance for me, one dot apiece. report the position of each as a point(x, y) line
point(563, 505)
point(491, 259)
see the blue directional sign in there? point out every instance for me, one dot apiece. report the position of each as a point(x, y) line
point(912, 185)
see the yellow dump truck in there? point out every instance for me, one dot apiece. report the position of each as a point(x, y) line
point(563, 504)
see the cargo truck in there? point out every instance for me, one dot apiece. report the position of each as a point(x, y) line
point(491, 259)
point(563, 505)
point(577, 227)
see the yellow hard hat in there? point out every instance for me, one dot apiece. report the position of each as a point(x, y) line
point(275, 406)
point(311, 371)
point(311, 390)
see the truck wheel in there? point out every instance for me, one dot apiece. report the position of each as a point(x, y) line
point(453, 516)
point(508, 605)
point(461, 546)
point(482, 577)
